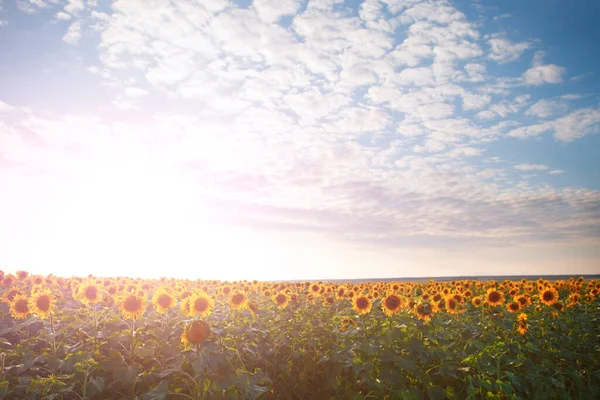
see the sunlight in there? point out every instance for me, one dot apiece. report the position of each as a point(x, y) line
point(138, 219)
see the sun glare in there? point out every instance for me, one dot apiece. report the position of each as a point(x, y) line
point(137, 220)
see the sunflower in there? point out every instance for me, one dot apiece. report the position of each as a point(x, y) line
point(523, 300)
point(494, 297)
point(195, 332)
point(238, 301)
point(347, 323)
point(281, 300)
point(391, 304)
point(199, 303)
point(254, 310)
point(225, 290)
point(7, 280)
point(131, 305)
point(36, 280)
point(315, 289)
point(10, 295)
point(522, 321)
point(89, 293)
point(549, 296)
point(41, 303)
point(22, 275)
point(424, 310)
point(162, 300)
point(477, 302)
point(574, 299)
point(453, 306)
point(362, 305)
point(513, 307)
point(19, 307)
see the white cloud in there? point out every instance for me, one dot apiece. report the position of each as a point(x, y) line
point(530, 167)
point(270, 11)
point(503, 50)
point(74, 7)
point(577, 124)
point(557, 172)
point(135, 92)
point(542, 74)
point(63, 16)
point(546, 108)
point(73, 35)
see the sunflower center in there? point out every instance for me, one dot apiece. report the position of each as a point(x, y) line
point(164, 300)
point(21, 306)
point(238, 298)
point(132, 304)
point(280, 299)
point(201, 304)
point(392, 302)
point(494, 297)
point(362, 303)
point(548, 296)
point(197, 333)
point(43, 303)
point(91, 292)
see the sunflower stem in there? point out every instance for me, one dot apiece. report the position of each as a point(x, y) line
point(132, 339)
point(53, 342)
point(362, 317)
point(95, 331)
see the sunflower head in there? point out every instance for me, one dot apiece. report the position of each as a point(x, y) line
point(453, 306)
point(7, 280)
point(522, 322)
point(10, 295)
point(281, 300)
point(41, 303)
point(362, 305)
point(494, 297)
point(89, 293)
point(19, 307)
point(195, 332)
point(131, 305)
point(162, 300)
point(424, 310)
point(477, 302)
point(392, 304)
point(238, 301)
point(549, 296)
point(199, 303)
point(254, 310)
point(513, 307)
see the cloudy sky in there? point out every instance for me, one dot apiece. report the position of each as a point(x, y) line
point(297, 139)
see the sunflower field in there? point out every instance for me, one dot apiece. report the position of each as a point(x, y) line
point(123, 338)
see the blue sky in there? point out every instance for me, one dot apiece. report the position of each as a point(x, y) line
point(300, 139)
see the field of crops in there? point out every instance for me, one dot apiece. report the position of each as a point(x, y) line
point(123, 338)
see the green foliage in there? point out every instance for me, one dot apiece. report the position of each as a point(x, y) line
point(301, 352)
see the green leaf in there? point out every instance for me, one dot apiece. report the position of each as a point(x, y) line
point(436, 393)
point(159, 392)
point(98, 382)
point(3, 389)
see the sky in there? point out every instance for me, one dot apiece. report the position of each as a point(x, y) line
point(299, 139)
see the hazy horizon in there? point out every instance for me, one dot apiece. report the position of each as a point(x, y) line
point(293, 139)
